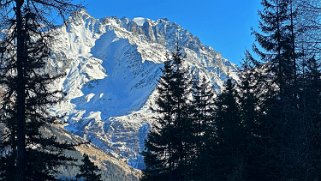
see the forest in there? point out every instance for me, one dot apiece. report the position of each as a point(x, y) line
point(265, 125)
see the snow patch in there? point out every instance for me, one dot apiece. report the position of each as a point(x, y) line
point(139, 21)
point(112, 67)
point(89, 97)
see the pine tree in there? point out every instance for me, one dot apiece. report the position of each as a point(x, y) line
point(280, 126)
point(183, 126)
point(24, 49)
point(88, 170)
point(203, 115)
point(311, 110)
point(277, 41)
point(158, 145)
point(248, 98)
point(169, 146)
point(227, 155)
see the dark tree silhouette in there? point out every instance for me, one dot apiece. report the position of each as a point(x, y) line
point(169, 147)
point(227, 155)
point(280, 128)
point(310, 109)
point(25, 84)
point(88, 170)
point(203, 115)
point(248, 99)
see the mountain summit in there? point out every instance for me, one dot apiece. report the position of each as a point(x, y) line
point(112, 66)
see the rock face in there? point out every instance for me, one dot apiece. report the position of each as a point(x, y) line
point(111, 169)
point(112, 66)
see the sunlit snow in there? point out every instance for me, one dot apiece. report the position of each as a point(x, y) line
point(139, 21)
point(112, 67)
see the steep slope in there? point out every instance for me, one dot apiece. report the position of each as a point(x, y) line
point(112, 66)
point(111, 168)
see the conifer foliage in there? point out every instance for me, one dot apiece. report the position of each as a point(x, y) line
point(169, 147)
point(202, 114)
point(282, 128)
point(264, 126)
point(229, 145)
point(203, 109)
point(88, 171)
point(26, 91)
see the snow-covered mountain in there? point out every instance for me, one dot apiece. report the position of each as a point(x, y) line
point(112, 66)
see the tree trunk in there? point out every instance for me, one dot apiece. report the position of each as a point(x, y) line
point(21, 121)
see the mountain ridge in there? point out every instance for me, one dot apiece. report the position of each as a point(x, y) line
point(112, 66)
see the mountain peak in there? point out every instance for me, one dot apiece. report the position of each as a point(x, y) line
point(139, 21)
point(112, 68)
point(82, 13)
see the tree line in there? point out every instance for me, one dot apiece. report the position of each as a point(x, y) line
point(264, 126)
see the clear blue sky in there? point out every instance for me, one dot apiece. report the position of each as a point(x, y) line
point(224, 25)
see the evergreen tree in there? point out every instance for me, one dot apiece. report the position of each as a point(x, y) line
point(24, 50)
point(169, 147)
point(88, 170)
point(311, 114)
point(227, 155)
point(276, 38)
point(158, 144)
point(203, 115)
point(279, 123)
point(248, 98)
